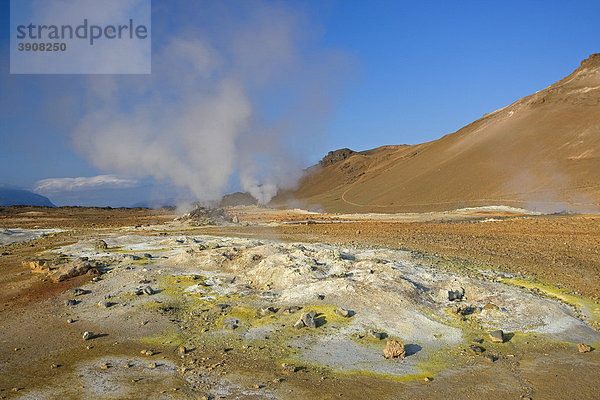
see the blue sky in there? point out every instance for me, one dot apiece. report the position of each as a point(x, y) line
point(402, 72)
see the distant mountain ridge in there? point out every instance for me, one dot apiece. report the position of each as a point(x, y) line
point(13, 197)
point(541, 152)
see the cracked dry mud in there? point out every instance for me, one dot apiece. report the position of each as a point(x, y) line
point(179, 313)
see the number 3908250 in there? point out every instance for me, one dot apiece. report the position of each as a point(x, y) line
point(42, 46)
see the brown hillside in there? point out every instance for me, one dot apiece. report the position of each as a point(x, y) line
point(541, 152)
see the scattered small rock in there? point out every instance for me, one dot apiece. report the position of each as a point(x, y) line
point(497, 336)
point(267, 311)
point(476, 349)
point(105, 304)
point(491, 307)
point(152, 365)
point(427, 379)
point(105, 365)
point(343, 312)
point(452, 294)
point(70, 320)
point(70, 302)
point(87, 335)
point(292, 309)
point(394, 349)
point(307, 319)
point(583, 348)
point(489, 357)
point(461, 309)
point(231, 323)
point(289, 368)
point(147, 352)
point(182, 350)
point(79, 292)
point(100, 245)
point(299, 324)
point(478, 340)
point(320, 296)
point(148, 291)
point(145, 290)
point(377, 335)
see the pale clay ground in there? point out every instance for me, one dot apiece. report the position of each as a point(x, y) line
point(387, 290)
point(384, 288)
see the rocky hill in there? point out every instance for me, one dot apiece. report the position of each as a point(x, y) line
point(541, 152)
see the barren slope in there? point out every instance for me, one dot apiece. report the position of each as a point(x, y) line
point(541, 152)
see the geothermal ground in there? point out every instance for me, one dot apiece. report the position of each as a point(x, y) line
point(174, 310)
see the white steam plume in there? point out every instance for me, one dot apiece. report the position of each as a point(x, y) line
point(206, 111)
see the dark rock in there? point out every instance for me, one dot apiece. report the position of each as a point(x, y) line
point(377, 335)
point(336, 156)
point(460, 309)
point(497, 336)
point(476, 349)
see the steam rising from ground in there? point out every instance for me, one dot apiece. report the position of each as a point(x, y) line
point(223, 98)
